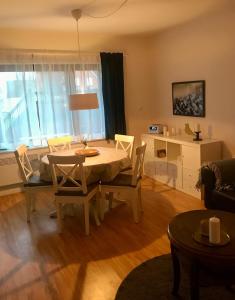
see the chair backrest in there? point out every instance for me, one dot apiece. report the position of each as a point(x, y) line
point(126, 143)
point(63, 172)
point(23, 162)
point(138, 169)
point(59, 143)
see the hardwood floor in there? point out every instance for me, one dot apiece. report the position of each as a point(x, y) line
point(38, 263)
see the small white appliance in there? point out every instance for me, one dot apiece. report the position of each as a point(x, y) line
point(155, 128)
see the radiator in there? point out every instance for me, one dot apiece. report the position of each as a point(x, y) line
point(9, 171)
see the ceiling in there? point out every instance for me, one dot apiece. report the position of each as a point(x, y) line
point(137, 16)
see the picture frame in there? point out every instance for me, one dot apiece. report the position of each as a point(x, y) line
point(188, 98)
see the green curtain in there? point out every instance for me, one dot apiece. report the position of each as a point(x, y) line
point(113, 93)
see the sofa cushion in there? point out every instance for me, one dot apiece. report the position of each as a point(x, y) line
point(90, 187)
point(224, 200)
point(224, 171)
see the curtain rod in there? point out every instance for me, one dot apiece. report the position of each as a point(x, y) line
point(53, 51)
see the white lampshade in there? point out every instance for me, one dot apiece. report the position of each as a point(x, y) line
point(83, 101)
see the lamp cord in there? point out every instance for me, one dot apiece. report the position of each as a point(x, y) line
point(78, 43)
point(109, 14)
point(80, 58)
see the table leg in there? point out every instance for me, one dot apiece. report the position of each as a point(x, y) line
point(194, 281)
point(176, 271)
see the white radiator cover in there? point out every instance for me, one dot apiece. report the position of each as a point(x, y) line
point(9, 175)
point(9, 171)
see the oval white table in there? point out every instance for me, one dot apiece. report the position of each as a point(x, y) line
point(104, 166)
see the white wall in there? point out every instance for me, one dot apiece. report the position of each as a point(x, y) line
point(202, 49)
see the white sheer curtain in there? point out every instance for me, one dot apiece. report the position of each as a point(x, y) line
point(34, 89)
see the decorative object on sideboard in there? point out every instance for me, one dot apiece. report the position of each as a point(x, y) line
point(188, 98)
point(197, 136)
point(164, 130)
point(156, 128)
point(161, 153)
point(187, 129)
point(197, 133)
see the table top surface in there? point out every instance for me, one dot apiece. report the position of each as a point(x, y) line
point(182, 227)
point(106, 156)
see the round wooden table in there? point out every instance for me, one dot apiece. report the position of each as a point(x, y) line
point(104, 166)
point(216, 262)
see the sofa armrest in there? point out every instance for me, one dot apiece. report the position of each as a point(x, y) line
point(226, 169)
point(216, 176)
point(208, 178)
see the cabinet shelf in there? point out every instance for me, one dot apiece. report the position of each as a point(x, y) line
point(160, 150)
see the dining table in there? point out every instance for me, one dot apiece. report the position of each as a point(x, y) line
point(104, 166)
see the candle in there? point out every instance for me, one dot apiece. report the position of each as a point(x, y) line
point(173, 131)
point(164, 130)
point(167, 133)
point(214, 230)
point(197, 127)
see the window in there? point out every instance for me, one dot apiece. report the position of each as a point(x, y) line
point(34, 102)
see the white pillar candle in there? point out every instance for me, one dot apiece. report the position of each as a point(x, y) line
point(214, 230)
point(167, 133)
point(198, 128)
point(164, 130)
point(173, 131)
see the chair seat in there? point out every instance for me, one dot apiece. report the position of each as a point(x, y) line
point(77, 193)
point(35, 181)
point(129, 169)
point(122, 179)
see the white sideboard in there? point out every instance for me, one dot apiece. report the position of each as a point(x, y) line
point(176, 160)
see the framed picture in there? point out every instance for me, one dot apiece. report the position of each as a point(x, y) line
point(188, 98)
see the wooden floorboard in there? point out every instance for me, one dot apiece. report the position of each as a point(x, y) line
point(38, 263)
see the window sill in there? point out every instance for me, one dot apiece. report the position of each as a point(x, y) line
point(38, 148)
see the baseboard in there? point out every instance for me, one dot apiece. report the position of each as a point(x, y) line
point(10, 189)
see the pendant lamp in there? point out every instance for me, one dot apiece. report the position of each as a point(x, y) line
point(79, 101)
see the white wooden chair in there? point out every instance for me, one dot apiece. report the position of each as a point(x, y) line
point(126, 143)
point(126, 182)
point(59, 143)
point(68, 190)
point(32, 182)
